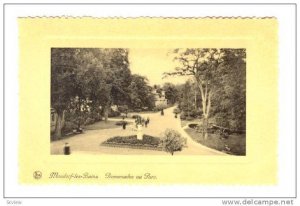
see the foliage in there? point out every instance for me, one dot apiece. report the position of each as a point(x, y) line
point(193, 126)
point(132, 140)
point(140, 93)
point(176, 110)
point(123, 109)
point(77, 111)
point(172, 141)
point(171, 93)
point(120, 123)
point(222, 120)
point(229, 101)
point(68, 128)
point(219, 79)
point(98, 78)
point(195, 113)
point(160, 107)
point(113, 113)
point(189, 98)
point(135, 116)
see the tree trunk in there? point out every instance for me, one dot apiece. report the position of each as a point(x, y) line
point(195, 100)
point(105, 113)
point(79, 113)
point(206, 115)
point(58, 125)
point(206, 94)
point(63, 119)
point(205, 127)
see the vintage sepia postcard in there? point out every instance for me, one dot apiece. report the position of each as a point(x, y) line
point(148, 101)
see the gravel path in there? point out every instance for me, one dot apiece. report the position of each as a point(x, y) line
point(89, 142)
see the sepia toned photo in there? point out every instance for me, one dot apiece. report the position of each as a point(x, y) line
point(119, 103)
point(129, 101)
point(157, 100)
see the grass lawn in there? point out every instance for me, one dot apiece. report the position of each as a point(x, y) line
point(235, 144)
point(102, 125)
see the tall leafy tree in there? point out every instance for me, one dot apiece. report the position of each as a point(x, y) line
point(81, 76)
point(229, 101)
point(171, 92)
point(140, 92)
point(63, 83)
point(208, 67)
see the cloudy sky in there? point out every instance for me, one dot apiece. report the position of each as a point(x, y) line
point(152, 63)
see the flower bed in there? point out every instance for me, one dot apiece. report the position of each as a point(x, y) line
point(148, 142)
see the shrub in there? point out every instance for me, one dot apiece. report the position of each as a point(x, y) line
point(195, 113)
point(182, 116)
point(123, 109)
point(113, 113)
point(193, 126)
point(160, 107)
point(185, 116)
point(172, 141)
point(138, 110)
point(136, 116)
point(89, 121)
point(94, 114)
point(222, 120)
point(155, 109)
point(189, 118)
point(120, 123)
point(145, 108)
point(68, 127)
point(176, 111)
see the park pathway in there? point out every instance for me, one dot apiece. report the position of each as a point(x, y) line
point(160, 123)
point(89, 142)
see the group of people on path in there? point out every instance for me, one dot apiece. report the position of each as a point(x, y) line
point(140, 121)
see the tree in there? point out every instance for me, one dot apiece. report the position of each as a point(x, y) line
point(63, 83)
point(171, 92)
point(140, 92)
point(186, 101)
point(230, 98)
point(122, 77)
point(97, 78)
point(117, 78)
point(207, 66)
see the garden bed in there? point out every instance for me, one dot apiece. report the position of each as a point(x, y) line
point(148, 142)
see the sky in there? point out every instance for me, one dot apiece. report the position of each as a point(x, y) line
point(152, 63)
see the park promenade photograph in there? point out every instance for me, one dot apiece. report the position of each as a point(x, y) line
point(156, 101)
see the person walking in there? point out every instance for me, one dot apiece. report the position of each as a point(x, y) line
point(124, 124)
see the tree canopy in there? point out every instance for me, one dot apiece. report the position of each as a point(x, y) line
point(220, 76)
point(92, 80)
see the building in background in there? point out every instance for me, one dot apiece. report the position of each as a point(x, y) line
point(160, 98)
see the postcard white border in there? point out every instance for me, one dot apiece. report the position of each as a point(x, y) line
point(286, 17)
